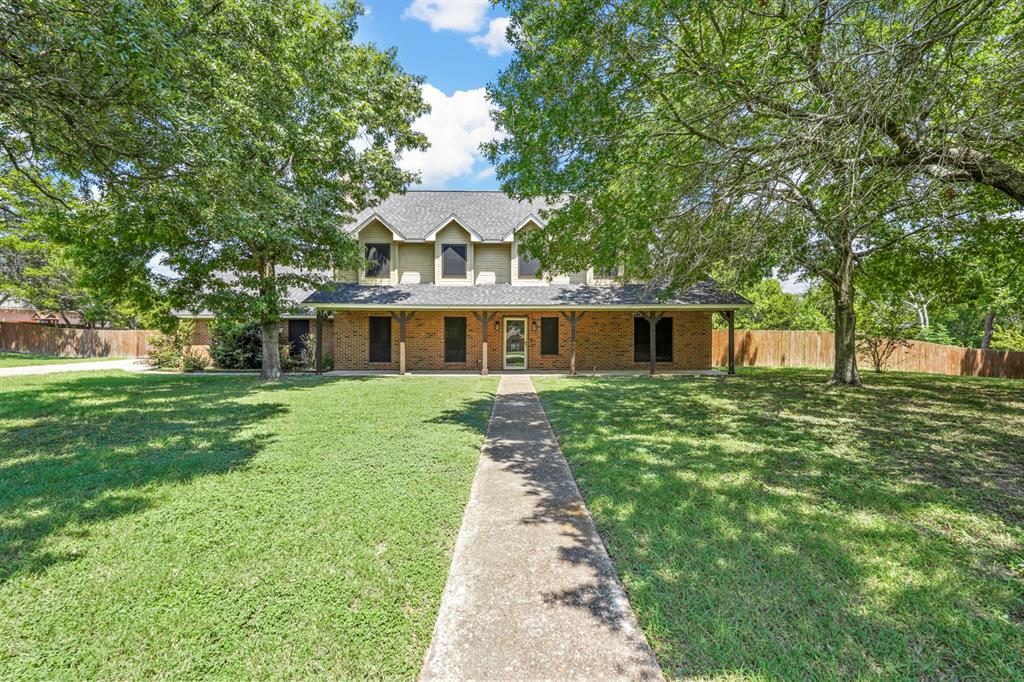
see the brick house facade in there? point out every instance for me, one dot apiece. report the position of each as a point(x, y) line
point(443, 275)
point(604, 341)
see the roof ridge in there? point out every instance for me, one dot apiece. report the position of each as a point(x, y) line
point(453, 191)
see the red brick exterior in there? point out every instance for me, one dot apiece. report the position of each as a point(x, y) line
point(201, 335)
point(604, 341)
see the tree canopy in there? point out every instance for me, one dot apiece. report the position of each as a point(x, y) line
point(679, 136)
point(227, 138)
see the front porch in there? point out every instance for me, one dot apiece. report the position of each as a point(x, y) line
point(557, 341)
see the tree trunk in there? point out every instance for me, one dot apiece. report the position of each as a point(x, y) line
point(845, 371)
point(271, 333)
point(986, 337)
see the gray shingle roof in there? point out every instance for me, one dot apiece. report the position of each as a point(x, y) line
point(705, 293)
point(292, 299)
point(492, 215)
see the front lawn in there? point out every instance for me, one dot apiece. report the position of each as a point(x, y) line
point(9, 359)
point(770, 527)
point(197, 527)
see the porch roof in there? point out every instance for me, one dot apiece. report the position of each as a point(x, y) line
point(703, 295)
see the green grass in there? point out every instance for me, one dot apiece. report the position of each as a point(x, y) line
point(9, 359)
point(770, 527)
point(192, 527)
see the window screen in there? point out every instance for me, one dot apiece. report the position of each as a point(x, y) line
point(454, 339)
point(380, 339)
point(642, 340)
point(528, 267)
point(549, 336)
point(453, 260)
point(379, 256)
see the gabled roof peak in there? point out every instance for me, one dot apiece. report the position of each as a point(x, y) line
point(417, 215)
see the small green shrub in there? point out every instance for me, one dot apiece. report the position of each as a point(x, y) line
point(191, 361)
point(166, 350)
point(308, 353)
point(1007, 338)
point(236, 345)
point(289, 361)
point(328, 360)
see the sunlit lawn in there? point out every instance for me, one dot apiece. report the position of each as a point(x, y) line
point(9, 359)
point(771, 527)
point(198, 527)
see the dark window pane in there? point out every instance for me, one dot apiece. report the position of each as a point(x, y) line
point(528, 267)
point(663, 340)
point(454, 339)
point(549, 336)
point(642, 340)
point(380, 339)
point(606, 272)
point(453, 260)
point(380, 257)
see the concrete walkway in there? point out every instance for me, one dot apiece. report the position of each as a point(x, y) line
point(531, 592)
point(99, 365)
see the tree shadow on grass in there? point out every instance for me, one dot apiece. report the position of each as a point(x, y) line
point(85, 450)
point(770, 525)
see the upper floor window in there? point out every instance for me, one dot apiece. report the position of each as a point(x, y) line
point(606, 272)
point(379, 256)
point(453, 260)
point(528, 267)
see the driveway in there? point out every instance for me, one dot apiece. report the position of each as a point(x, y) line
point(127, 365)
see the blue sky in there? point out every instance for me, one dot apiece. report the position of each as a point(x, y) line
point(459, 47)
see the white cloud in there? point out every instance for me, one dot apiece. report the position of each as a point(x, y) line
point(494, 40)
point(455, 127)
point(466, 16)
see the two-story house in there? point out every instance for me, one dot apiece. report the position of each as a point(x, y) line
point(447, 288)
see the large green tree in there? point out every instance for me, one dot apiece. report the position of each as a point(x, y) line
point(301, 128)
point(675, 136)
point(102, 91)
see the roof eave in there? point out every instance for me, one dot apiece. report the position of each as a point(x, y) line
point(532, 306)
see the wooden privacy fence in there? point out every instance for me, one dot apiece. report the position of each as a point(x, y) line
point(74, 343)
point(776, 348)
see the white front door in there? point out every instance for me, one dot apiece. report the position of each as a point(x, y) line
point(515, 343)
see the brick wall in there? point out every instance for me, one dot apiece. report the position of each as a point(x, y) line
point(604, 341)
point(200, 339)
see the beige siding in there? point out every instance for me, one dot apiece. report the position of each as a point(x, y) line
point(377, 233)
point(493, 263)
point(453, 233)
point(578, 278)
point(347, 276)
point(417, 264)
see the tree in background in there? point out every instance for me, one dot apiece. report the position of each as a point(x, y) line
point(36, 269)
point(683, 136)
point(884, 327)
point(777, 309)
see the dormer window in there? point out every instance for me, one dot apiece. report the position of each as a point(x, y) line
point(605, 272)
point(453, 260)
point(379, 256)
point(528, 267)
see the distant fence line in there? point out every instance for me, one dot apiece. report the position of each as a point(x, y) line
point(779, 348)
point(74, 343)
